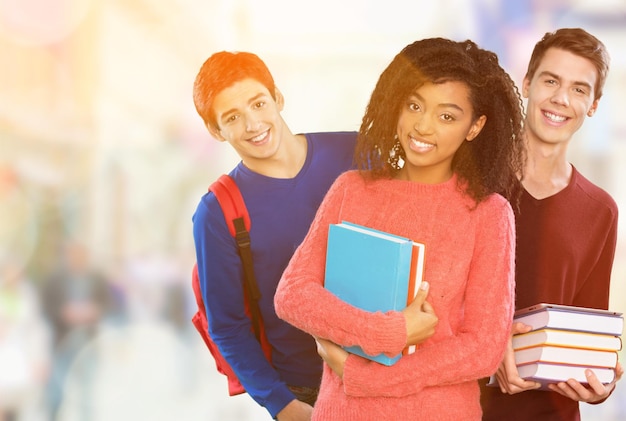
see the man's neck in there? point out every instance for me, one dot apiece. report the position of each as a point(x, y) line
point(287, 162)
point(547, 170)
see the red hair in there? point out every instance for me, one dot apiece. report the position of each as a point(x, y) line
point(221, 71)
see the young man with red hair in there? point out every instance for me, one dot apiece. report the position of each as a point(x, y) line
point(282, 177)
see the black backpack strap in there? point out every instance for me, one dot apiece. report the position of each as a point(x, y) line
point(238, 221)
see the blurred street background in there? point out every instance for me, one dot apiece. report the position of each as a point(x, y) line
point(103, 160)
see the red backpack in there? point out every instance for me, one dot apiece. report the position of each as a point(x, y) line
point(236, 214)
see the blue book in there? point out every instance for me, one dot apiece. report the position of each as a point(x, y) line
point(374, 271)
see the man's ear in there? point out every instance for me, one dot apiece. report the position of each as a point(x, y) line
point(215, 132)
point(593, 108)
point(477, 126)
point(280, 100)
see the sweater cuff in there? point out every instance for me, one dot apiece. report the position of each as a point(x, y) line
point(278, 400)
point(389, 338)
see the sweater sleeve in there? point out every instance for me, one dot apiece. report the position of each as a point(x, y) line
point(600, 277)
point(595, 290)
point(302, 300)
point(220, 272)
point(477, 346)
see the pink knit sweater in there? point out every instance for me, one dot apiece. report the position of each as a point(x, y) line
point(470, 268)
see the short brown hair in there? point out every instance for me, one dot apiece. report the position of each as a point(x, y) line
point(576, 41)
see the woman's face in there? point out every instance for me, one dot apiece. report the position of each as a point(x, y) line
point(434, 122)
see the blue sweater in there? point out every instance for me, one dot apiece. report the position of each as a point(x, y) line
point(281, 211)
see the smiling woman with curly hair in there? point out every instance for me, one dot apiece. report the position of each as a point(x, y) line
point(439, 152)
point(491, 162)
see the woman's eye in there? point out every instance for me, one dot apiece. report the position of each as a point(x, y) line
point(413, 106)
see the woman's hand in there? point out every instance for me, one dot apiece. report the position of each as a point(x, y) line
point(420, 325)
point(420, 317)
point(334, 355)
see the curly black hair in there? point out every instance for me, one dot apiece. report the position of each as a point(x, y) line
point(493, 161)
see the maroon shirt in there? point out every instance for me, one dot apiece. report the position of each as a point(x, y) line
point(565, 250)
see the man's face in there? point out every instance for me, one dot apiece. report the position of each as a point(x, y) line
point(249, 119)
point(560, 96)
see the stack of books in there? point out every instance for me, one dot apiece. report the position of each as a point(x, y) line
point(374, 271)
point(565, 341)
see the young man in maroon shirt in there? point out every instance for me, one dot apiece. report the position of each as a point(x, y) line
point(566, 226)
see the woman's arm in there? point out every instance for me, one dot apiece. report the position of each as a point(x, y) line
point(476, 348)
point(301, 299)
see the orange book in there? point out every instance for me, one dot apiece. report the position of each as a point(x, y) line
point(416, 275)
point(563, 355)
point(568, 339)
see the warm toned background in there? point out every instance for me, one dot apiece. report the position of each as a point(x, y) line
point(101, 152)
